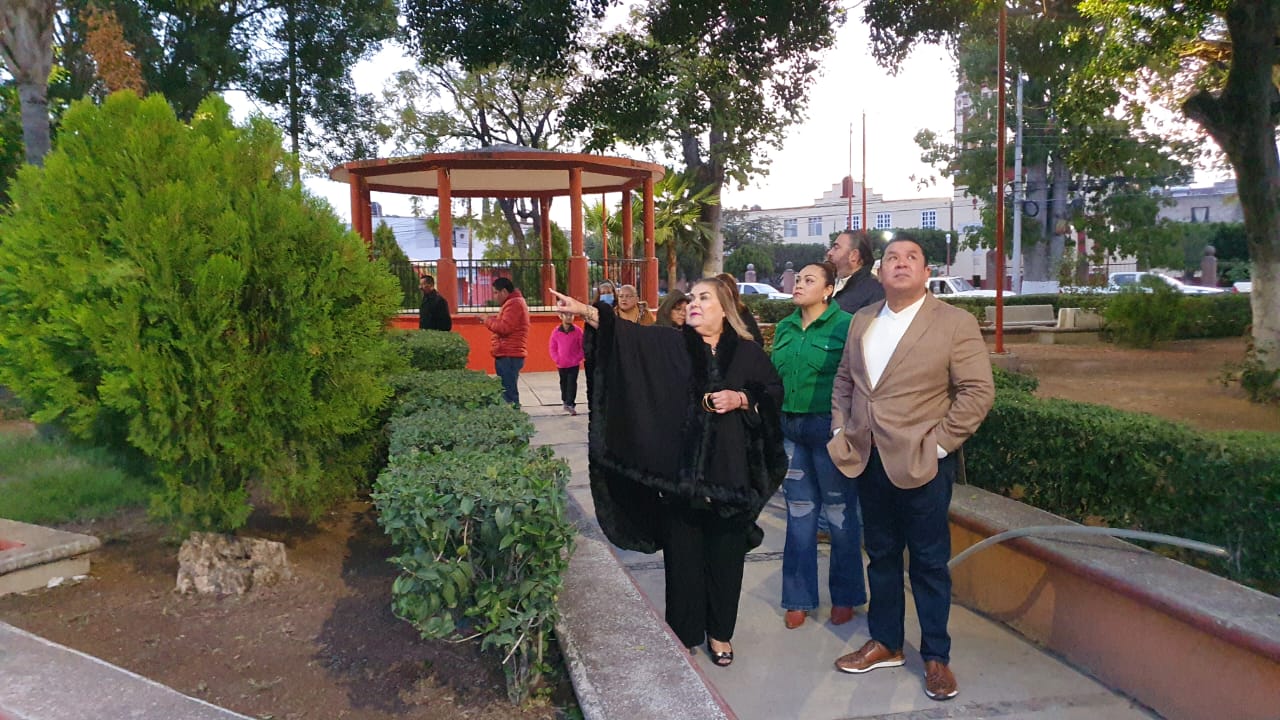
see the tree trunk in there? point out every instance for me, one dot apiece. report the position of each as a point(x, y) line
point(517, 230)
point(1035, 251)
point(671, 263)
point(26, 46)
point(704, 174)
point(1243, 119)
point(1059, 225)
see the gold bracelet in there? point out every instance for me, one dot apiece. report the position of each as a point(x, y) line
point(707, 403)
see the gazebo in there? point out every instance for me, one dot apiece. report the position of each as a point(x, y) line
point(512, 171)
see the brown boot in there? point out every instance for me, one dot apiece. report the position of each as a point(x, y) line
point(841, 614)
point(794, 619)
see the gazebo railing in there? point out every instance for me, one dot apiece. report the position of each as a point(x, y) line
point(475, 280)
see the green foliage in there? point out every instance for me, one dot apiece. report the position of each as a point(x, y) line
point(798, 255)
point(1144, 316)
point(387, 252)
point(55, 481)
point(1131, 470)
point(768, 311)
point(484, 542)
point(1260, 382)
point(443, 428)
point(736, 263)
point(1012, 381)
point(11, 148)
point(459, 388)
point(165, 291)
point(433, 349)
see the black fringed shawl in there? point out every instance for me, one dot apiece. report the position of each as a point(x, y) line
point(649, 433)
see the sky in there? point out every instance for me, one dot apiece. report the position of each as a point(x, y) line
point(816, 153)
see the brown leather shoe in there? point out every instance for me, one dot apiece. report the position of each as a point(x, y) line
point(939, 681)
point(841, 614)
point(869, 657)
point(794, 619)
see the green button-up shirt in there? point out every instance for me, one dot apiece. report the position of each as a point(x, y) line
point(807, 358)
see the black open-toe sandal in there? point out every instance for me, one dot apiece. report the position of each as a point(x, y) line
point(721, 659)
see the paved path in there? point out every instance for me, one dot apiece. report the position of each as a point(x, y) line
point(780, 673)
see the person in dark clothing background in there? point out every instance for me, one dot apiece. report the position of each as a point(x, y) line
point(856, 288)
point(434, 313)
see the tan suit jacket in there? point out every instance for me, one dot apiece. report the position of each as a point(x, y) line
point(935, 391)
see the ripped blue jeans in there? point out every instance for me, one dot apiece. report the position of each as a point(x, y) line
point(815, 486)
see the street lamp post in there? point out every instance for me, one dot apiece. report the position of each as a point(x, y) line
point(948, 253)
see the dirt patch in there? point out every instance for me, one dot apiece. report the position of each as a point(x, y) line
point(322, 645)
point(1178, 380)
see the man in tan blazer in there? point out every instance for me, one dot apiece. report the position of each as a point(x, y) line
point(913, 385)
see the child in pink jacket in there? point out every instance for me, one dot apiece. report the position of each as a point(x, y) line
point(566, 352)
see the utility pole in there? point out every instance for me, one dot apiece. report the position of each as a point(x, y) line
point(863, 224)
point(1000, 128)
point(1017, 194)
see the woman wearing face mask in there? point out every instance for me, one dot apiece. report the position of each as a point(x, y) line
point(807, 347)
point(685, 450)
point(605, 292)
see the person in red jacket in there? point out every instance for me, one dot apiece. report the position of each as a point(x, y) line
point(565, 348)
point(510, 328)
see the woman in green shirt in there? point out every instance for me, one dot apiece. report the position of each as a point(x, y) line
point(807, 347)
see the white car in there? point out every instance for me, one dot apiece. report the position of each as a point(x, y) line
point(1123, 280)
point(759, 288)
point(1242, 286)
point(952, 286)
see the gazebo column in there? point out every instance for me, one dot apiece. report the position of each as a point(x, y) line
point(366, 213)
point(358, 210)
point(628, 239)
point(649, 290)
point(548, 267)
point(446, 268)
point(577, 260)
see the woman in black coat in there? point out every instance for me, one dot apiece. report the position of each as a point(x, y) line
point(685, 450)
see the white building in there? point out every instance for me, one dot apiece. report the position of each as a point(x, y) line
point(419, 243)
point(832, 212)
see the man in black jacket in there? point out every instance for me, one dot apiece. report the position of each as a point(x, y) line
point(434, 313)
point(855, 287)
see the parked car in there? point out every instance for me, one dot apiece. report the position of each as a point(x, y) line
point(759, 288)
point(952, 286)
point(1122, 280)
point(1242, 286)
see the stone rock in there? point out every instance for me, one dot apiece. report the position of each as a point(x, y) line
point(209, 563)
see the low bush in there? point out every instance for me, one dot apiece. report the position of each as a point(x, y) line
point(459, 388)
point(1144, 316)
point(1010, 380)
point(767, 310)
point(444, 427)
point(1103, 466)
point(484, 542)
point(432, 349)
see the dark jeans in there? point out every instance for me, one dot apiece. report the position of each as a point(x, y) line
point(702, 560)
point(894, 519)
point(569, 386)
point(508, 369)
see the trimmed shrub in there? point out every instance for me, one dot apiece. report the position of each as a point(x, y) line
point(1144, 316)
point(457, 388)
point(1098, 465)
point(768, 310)
point(445, 427)
point(433, 349)
point(484, 541)
point(1014, 381)
point(165, 290)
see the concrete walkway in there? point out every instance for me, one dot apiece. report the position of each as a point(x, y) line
point(779, 673)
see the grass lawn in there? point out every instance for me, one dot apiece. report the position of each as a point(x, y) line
point(52, 481)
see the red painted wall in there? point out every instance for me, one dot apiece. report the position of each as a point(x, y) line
point(469, 327)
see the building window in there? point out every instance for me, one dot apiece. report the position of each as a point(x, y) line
point(815, 226)
point(1200, 214)
point(789, 227)
point(857, 223)
point(884, 221)
point(929, 219)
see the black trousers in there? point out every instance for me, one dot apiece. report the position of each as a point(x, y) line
point(569, 386)
point(703, 559)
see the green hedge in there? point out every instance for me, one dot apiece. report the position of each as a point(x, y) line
point(459, 388)
point(432, 349)
point(444, 427)
point(484, 542)
point(1131, 470)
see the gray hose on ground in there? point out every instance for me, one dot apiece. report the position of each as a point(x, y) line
point(1050, 530)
